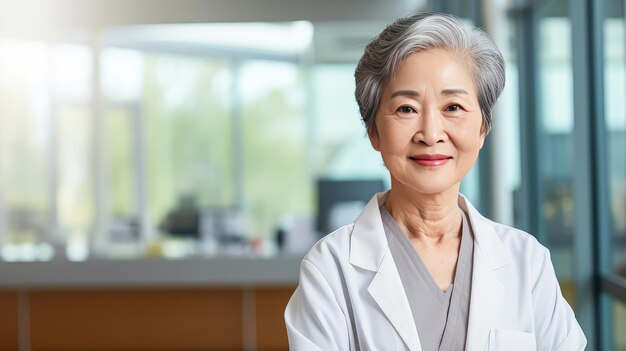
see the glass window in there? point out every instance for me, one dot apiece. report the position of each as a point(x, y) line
point(615, 319)
point(187, 119)
point(556, 122)
point(470, 186)
point(615, 122)
point(120, 162)
point(276, 179)
point(508, 124)
point(168, 140)
point(341, 148)
point(25, 118)
point(75, 196)
point(619, 325)
point(72, 72)
point(45, 147)
point(469, 10)
point(122, 73)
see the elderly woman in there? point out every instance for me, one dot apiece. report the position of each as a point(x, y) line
point(420, 268)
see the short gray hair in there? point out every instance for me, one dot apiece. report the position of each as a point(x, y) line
point(425, 31)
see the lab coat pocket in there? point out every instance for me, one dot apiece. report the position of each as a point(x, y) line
point(511, 340)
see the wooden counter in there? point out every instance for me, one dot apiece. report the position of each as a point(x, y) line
point(222, 303)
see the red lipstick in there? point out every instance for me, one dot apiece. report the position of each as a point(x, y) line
point(430, 160)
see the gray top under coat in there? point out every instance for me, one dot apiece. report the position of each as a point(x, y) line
point(440, 317)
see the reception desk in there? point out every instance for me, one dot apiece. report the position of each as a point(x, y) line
point(218, 303)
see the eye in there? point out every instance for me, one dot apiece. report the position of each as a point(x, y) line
point(406, 109)
point(454, 108)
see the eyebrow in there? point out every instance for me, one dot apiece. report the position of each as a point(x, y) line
point(454, 91)
point(413, 93)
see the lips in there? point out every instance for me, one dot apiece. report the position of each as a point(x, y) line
point(428, 160)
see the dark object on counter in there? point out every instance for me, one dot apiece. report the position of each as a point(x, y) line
point(184, 220)
point(280, 238)
point(333, 196)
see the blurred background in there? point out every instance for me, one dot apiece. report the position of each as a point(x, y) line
point(164, 166)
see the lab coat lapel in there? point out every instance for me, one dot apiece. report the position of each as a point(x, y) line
point(369, 250)
point(387, 290)
point(487, 290)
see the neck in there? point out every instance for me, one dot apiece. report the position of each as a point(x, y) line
point(426, 217)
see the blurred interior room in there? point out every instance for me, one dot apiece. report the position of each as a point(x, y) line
point(165, 165)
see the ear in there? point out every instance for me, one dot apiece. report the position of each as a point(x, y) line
point(374, 138)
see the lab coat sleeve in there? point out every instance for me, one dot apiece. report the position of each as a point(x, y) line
point(556, 327)
point(313, 316)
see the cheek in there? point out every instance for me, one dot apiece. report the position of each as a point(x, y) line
point(468, 138)
point(469, 146)
point(394, 137)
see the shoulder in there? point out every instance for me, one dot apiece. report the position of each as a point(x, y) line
point(346, 253)
point(327, 265)
point(514, 241)
point(517, 239)
point(523, 249)
point(332, 249)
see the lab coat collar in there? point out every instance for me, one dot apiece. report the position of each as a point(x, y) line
point(369, 250)
point(387, 291)
point(485, 236)
point(368, 243)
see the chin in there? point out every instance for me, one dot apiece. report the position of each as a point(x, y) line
point(428, 187)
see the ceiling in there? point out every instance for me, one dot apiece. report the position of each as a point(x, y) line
point(21, 14)
point(342, 27)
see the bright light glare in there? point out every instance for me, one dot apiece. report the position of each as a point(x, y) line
point(72, 71)
point(27, 252)
point(279, 38)
point(122, 74)
point(24, 69)
point(77, 251)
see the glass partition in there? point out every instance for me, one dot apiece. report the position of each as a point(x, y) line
point(275, 166)
point(342, 148)
point(555, 100)
point(615, 124)
point(202, 137)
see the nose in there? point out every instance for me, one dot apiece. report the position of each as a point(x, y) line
point(430, 128)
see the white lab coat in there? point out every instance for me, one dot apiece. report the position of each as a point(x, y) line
point(350, 296)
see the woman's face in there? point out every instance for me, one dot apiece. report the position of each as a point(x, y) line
point(428, 123)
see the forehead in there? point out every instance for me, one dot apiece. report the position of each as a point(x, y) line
point(437, 68)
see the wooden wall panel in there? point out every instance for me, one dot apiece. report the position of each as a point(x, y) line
point(8, 321)
point(270, 322)
point(155, 320)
